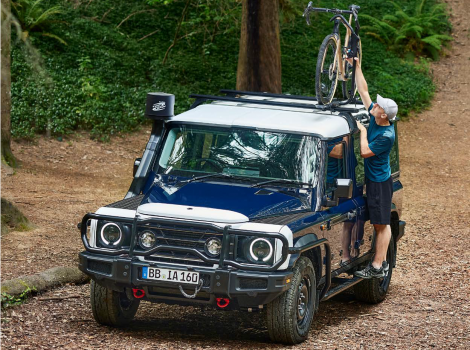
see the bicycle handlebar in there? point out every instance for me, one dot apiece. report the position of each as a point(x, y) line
point(353, 9)
point(336, 11)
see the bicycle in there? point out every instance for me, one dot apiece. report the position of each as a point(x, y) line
point(331, 63)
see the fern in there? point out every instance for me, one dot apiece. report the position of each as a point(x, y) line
point(29, 17)
point(420, 31)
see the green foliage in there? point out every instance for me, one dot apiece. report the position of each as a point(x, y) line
point(116, 50)
point(8, 300)
point(416, 32)
point(31, 18)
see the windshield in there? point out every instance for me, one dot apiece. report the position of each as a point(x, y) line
point(198, 150)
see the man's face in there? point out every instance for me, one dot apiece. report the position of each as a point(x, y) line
point(378, 112)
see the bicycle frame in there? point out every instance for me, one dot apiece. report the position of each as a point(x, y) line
point(351, 35)
point(339, 57)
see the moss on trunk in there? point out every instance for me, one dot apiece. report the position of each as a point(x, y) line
point(13, 218)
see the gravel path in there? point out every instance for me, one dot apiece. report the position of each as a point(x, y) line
point(428, 304)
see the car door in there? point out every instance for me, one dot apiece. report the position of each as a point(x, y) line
point(340, 221)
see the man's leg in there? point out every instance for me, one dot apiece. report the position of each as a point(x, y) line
point(346, 241)
point(375, 269)
point(382, 239)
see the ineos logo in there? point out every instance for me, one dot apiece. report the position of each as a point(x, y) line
point(159, 106)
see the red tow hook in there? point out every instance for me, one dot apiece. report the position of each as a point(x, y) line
point(222, 302)
point(138, 293)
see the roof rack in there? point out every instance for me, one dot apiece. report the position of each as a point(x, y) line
point(335, 102)
point(333, 107)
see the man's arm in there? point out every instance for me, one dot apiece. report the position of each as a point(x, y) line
point(365, 150)
point(361, 83)
point(337, 151)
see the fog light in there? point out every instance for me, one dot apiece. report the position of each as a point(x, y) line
point(111, 234)
point(213, 246)
point(147, 239)
point(261, 249)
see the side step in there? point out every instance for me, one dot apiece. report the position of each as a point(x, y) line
point(345, 284)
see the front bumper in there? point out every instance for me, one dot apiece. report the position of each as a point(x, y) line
point(249, 289)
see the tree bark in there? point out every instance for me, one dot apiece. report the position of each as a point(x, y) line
point(259, 60)
point(7, 154)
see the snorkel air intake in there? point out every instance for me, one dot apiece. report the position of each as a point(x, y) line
point(160, 106)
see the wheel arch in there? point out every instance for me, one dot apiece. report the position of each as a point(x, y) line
point(314, 254)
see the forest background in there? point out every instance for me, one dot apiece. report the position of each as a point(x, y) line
point(92, 63)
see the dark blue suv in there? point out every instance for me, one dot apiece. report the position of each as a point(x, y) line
point(251, 202)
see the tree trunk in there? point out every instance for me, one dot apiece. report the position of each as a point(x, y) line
point(7, 155)
point(259, 60)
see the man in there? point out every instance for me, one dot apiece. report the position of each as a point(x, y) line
point(376, 144)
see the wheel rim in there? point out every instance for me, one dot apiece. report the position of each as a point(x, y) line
point(304, 301)
point(328, 72)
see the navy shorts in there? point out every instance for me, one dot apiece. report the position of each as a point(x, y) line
point(379, 201)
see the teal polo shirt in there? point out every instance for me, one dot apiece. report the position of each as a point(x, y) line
point(381, 139)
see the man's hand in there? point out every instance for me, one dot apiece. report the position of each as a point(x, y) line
point(350, 61)
point(360, 126)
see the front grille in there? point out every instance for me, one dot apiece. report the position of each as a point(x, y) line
point(253, 283)
point(99, 266)
point(180, 236)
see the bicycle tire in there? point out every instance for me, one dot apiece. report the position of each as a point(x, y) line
point(326, 80)
point(348, 71)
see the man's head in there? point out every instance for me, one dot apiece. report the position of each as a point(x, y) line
point(384, 110)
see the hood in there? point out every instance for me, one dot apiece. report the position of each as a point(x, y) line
point(249, 201)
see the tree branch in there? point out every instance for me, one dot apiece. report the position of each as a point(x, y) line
point(133, 14)
point(146, 36)
point(175, 39)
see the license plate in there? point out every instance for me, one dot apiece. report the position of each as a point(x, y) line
point(168, 275)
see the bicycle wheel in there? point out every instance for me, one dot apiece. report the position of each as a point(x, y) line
point(347, 85)
point(326, 77)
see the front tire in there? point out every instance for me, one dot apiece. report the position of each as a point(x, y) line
point(326, 75)
point(290, 316)
point(111, 308)
point(374, 290)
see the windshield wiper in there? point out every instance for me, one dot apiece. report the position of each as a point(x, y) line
point(259, 184)
point(228, 176)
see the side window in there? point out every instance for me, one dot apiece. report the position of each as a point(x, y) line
point(335, 167)
point(359, 171)
point(394, 161)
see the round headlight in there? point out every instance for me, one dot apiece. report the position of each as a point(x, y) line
point(261, 249)
point(111, 234)
point(147, 239)
point(213, 246)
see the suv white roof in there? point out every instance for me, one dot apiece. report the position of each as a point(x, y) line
point(324, 124)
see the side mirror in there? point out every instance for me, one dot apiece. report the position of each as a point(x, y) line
point(344, 189)
point(136, 165)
